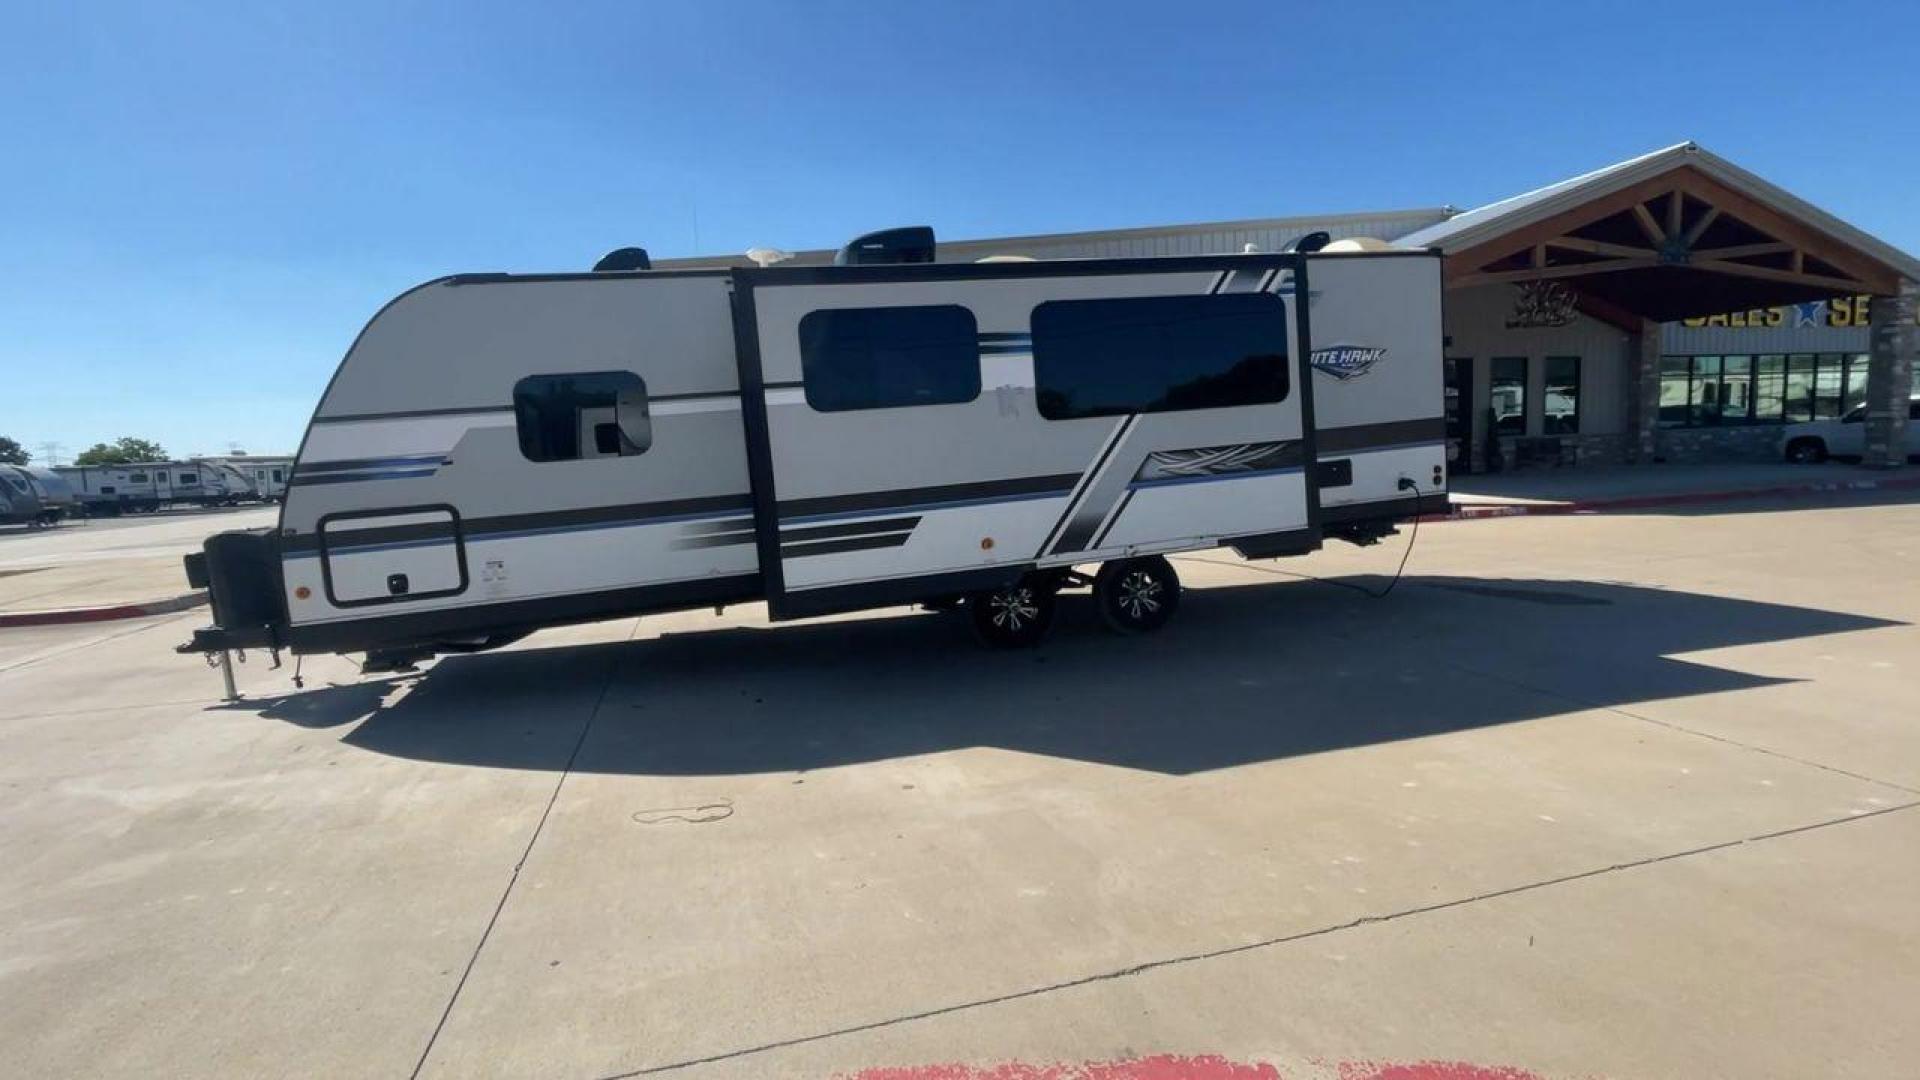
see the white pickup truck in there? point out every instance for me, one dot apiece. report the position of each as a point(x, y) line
point(1846, 437)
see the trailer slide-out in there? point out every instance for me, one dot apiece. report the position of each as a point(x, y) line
point(499, 453)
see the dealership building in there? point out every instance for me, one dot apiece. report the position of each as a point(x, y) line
point(1672, 307)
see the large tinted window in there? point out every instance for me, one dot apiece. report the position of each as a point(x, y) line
point(591, 414)
point(1560, 397)
point(886, 358)
point(1158, 354)
point(1507, 393)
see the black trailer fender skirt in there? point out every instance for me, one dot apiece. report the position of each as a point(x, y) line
point(470, 620)
point(1404, 508)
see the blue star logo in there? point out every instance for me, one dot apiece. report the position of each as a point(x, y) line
point(1811, 313)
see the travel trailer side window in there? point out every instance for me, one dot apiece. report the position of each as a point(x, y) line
point(890, 357)
point(137, 478)
point(1158, 354)
point(595, 414)
point(187, 478)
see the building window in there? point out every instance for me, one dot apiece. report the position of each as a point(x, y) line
point(1704, 391)
point(1560, 397)
point(1769, 386)
point(889, 358)
point(1159, 354)
point(594, 414)
point(1507, 394)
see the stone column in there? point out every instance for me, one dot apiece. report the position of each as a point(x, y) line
point(1890, 377)
point(1643, 383)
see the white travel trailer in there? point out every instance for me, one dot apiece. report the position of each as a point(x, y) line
point(265, 476)
point(149, 485)
point(499, 453)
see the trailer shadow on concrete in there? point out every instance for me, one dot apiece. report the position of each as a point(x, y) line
point(1247, 673)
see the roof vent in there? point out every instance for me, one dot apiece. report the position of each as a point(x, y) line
point(622, 260)
point(1310, 243)
point(913, 244)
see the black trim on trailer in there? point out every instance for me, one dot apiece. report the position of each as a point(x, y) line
point(1309, 437)
point(1125, 498)
point(402, 414)
point(390, 462)
point(702, 395)
point(753, 418)
point(501, 277)
point(1275, 545)
point(425, 627)
point(893, 592)
point(482, 410)
point(852, 543)
point(1396, 509)
point(1170, 264)
point(542, 521)
point(1395, 433)
point(851, 528)
point(908, 498)
point(1056, 541)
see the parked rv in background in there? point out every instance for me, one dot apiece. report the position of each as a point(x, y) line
point(267, 475)
point(56, 496)
point(19, 503)
point(147, 486)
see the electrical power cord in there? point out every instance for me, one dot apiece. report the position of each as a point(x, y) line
point(1407, 483)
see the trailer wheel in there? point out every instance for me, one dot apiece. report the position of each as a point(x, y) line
point(1136, 596)
point(1015, 617)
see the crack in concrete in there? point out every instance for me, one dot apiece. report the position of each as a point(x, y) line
point(613, 673)
point(1214, 954)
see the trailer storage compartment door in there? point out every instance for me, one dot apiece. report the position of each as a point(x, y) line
point(915, 431)
point(392, 556)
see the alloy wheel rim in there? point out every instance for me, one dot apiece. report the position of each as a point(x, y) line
point(1139, 594)
point(1014, 609)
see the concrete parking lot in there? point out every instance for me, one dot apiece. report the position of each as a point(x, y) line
point(1627, 795)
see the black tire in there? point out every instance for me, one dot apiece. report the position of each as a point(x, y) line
point(1015, 617)
point(1806, 451)
point(1136, 596)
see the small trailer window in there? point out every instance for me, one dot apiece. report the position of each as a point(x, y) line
point(1158, 354)
point(137, 478)
point(594, 414)
point(185, 477)
point(891, 357)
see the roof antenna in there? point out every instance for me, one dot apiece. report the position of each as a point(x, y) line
point(764, 257)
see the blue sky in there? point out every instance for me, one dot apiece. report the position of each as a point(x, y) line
point(204, 203)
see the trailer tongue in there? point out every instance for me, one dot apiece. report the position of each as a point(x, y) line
point(499, 453)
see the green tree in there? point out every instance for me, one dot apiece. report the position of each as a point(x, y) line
point(122, 451)
point(12, 453)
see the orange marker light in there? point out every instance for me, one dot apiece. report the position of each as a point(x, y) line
point(986, 543)
point(302, 592)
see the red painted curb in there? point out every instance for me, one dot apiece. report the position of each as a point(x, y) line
point(1481, 511)
point(63, 616)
